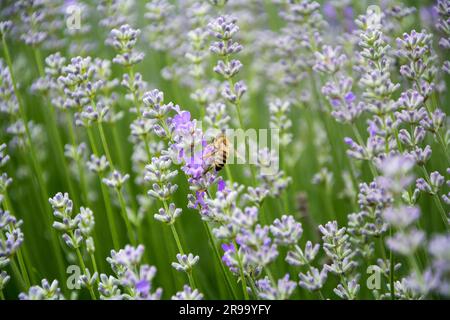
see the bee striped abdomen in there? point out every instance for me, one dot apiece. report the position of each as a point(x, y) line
point(221, 160)
point(221, 146)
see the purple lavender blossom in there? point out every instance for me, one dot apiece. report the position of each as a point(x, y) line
point(282, 291)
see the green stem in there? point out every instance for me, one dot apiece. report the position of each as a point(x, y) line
point(241, 271)
point(18, 275)
point(125, 216)
point(83, 267)
point(225, 273)
point(177, 238)
point(391, 270)
point(23, 269)
point(105, 145)
point(110, 215)
point(191, 280)
point(94, 263)
point(253, 288)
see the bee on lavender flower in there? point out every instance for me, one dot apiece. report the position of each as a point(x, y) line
point(220, 151)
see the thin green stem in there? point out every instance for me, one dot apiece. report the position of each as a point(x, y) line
point(391, 270)
point(109, 214)
point(191, 280)
point(23, 269)
point(105, 145)
point(241, 271)
point(177, 238)
point(225, 273)
point(18, 275)
point(125, 216)
point(253, 288)
point(83, 267)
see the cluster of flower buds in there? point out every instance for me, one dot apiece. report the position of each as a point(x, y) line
point(124, 41)
point(223, 29)
point(132, 279)
point(76, 230)
point(46, 291)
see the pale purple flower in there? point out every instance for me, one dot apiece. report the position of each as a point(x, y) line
point(124, 41)
point(185, 262)
point(406, 243)
point(168, 216)
point(286, 230)
point(337, 246)
point(116, 180)
point(281, 291)
point(188, 294)
point(47, 291)
point(396, 173)
point(299, 257)
point(313, 279)
point(401, 217)
point(330, 60)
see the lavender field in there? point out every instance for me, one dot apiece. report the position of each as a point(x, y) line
point(224, 149)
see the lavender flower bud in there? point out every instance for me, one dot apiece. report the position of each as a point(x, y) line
point(350, 292)
point(330, 60)
point(5, 182)
point(87, 222)
point(281, 291)
point(188, 294)
point(97, 164)
point(185, 262)
point(337, 247)
point(168, 216)
point(406, 243)
point(313, 279)
point(298, 257)
point(401, 217)
point(88, 281)
point(124, 41)
point(47, 291)
point(159, 172)
point(256, 195)
point(5, 27)
point(128, 257)
point(116, 180)
point(286, 231)
point(422, 155)
point(257, 246)
point(75, 152)
point(90, 245)
point(109, 288)
point(4, 279)
point(4, 158)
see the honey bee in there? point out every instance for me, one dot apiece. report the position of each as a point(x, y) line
point(220, 152)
